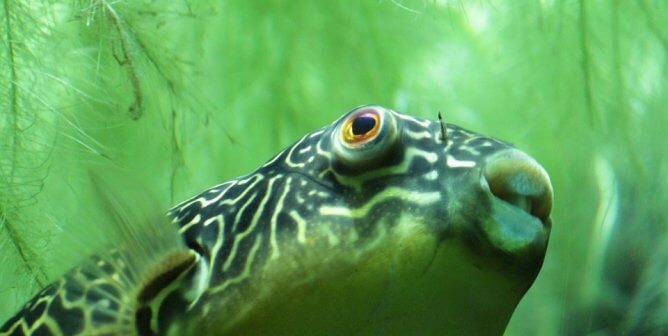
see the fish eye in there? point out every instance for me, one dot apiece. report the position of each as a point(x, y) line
point(365, 136)
point(361, 127)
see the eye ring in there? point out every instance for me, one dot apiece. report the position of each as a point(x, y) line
point(365, 137)
point(361, 127)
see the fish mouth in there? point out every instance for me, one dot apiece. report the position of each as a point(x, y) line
point(520, 194)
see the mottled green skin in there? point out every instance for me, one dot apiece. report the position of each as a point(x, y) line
point(399, 236)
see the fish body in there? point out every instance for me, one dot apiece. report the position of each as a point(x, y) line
point(380, 223)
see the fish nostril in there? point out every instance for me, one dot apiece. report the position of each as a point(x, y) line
point(516, 178)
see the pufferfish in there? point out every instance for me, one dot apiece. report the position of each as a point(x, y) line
point(378, 224)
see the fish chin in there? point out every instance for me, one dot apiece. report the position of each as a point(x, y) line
point(415, 283)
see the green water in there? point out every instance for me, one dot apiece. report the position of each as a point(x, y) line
point(178, 96)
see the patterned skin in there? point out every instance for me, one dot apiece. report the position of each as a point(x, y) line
point(379, 223)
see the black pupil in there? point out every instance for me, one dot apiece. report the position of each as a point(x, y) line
point(363, 124)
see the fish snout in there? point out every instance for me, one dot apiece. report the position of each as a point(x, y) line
point(517, 220)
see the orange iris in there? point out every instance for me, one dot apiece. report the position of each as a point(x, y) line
point(361, 127)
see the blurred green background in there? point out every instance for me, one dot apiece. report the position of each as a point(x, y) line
point(177, 96)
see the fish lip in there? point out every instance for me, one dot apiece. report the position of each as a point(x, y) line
point(519, 197)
